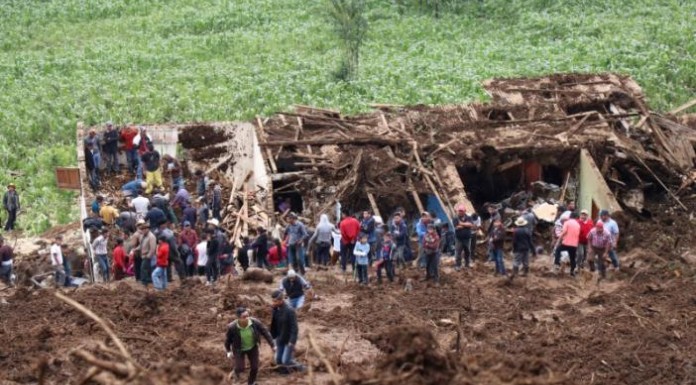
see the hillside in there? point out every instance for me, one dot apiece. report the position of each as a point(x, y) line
point(184, 60)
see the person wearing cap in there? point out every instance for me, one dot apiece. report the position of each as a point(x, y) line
point(6, 258)
point(613, 228)
point(295, 234)
point(148, 253)
point(260, 247)
point(10, 202)
point(99, 245)
point(284, 330)
point(600, 243)
point(108, 213)
point(421, 230)
point(128, 134)
point(119, 260)
point(568, 241)
point(586, 225)
point(243, 339)
point(159, 274)
point(153, 170)
point(294, 286)
point(322, 238)
point(57, 263)
point(463, 226)
point(110, 148)
point(350, 229)
point(522, 246)
point(431, 253)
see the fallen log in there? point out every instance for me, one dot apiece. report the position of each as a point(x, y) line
point(322, 142)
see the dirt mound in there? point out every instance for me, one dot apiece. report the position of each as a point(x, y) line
point(413, 354)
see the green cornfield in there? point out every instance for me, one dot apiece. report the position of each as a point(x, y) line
point(148, 61)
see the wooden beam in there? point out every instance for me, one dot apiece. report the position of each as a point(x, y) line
point(263, 139)
point(346, 141)
point(373, 203)
point(683, 107)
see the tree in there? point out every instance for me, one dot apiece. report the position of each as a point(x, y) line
point(350, 25)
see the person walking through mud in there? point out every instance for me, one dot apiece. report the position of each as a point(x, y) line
point(243, 340)
point(522, 246)
point(294, 287)
point(463, 225)
point(600, 242)
point(284, 330)
point(296, 233)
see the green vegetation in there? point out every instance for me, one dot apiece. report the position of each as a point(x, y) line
point(350, 25)
point(192, 60)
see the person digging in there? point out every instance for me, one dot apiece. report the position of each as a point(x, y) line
point(243, 340)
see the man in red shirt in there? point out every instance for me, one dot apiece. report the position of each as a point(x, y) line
point(127, 135)
point(119, 261)
point(586, 225)
point(350, 229)
point(159, 276)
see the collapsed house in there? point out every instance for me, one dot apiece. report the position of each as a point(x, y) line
point(584, 137)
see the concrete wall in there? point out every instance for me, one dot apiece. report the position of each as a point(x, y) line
point(593, 187)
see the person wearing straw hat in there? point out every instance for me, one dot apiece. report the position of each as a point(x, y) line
point(10, 201)
point(521, 246)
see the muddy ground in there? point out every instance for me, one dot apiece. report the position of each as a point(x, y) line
point(636, 327)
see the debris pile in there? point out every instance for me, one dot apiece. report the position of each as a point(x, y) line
point(398, 156)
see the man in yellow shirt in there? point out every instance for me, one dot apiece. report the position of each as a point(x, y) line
point(108, 213)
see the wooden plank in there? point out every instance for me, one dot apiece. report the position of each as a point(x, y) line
point(661, 183)
point(373, 203)
point(683, 107)
point(345, 141)
point(263, 139)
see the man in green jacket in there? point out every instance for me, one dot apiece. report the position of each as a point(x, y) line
point(243, 339)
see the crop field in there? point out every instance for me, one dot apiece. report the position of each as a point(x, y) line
point(149, 61)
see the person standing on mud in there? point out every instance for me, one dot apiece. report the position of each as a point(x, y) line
point(361, 253)
point(10, 202)
point(284, 330)
point(385, 258)
point(243, 340)
point(399, 233)
point(600, 243)
point(57, 261)
point(463, 225)
point(173, 168)
point(6, 258)
point(153, 170)
point(119, 261)
point(159, 275)
point(322, 238)
point(148, 253)
point(496, 240)
point(431, 249)
point(368, 226)
point(260, 247)
point(100, 250)
point(350, 229)
point(586, 225)
point(568, 241)
point(613, 228)
point(296, 232)
point(521, 246)
point(127, 135)
point(110, 148)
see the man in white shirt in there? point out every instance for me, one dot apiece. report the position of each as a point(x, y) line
point(202, 253)
point(141, 205)
point(57, 261)
point(100, 249)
